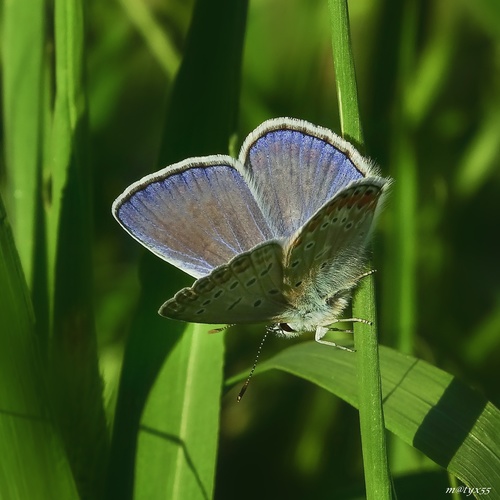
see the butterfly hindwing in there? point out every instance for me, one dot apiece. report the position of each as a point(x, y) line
point(246, 290)
point(332, 243)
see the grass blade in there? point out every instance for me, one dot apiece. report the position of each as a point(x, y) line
point(75, 379)
point(180, 421)
point(29, 441)
point(377, 479)
point(22, 66)
point(426, 407)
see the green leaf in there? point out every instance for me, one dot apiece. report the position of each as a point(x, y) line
point(22, 65)
point(34, 463)
point(75, 378)
point(181, 432)
point(159, 42)
point(179, 421)
point(426, 407)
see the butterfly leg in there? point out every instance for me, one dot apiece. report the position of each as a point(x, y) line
point(349, 320)
point(320, 333)
point(364, 275)
point(343, 330)
point(354, 320)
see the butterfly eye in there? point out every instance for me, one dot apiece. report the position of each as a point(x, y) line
point(286, 327)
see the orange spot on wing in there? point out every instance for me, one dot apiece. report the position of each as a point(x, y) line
point(314, 222)
point(367, 199)
point(298, 241)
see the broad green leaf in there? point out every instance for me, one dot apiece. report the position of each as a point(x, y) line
point(34, 463)
point(22, 69)
point(200, 119)
point(177, 427)
point(426, 407)
point(76, 386)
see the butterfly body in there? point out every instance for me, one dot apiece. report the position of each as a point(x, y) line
point(278, 236)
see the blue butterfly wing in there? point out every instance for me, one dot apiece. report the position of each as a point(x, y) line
point(197, 214)
point(295, 167)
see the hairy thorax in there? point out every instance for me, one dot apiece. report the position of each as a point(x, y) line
point(311, 305)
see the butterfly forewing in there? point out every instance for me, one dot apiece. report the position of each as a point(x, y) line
point(246, 290)
point(197, 214)
point(332, 242)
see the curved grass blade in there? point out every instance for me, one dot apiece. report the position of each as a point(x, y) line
point(201, 116)
point(34, 463)
point(426, 407)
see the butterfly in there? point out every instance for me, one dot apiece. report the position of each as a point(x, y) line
point(278, 235)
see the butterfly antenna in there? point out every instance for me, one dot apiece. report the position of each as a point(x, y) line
point(217, 330)
point(245, 385)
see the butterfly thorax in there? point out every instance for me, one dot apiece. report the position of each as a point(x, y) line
point(318, 297)
point(311, 306)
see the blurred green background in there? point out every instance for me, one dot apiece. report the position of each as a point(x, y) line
point(429, 85)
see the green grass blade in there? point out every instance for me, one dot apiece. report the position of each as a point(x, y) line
point(158, 41)
point(377, 478)
point(480, 161)
point(179, 420)
point(69, 109)
point(400, 277)
point(22, 65)
point(345, 74)
point(201, 117)
point(150, 340)
point(75, 379)
point(203, 109)
point(34, 463)
point(426, 407)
